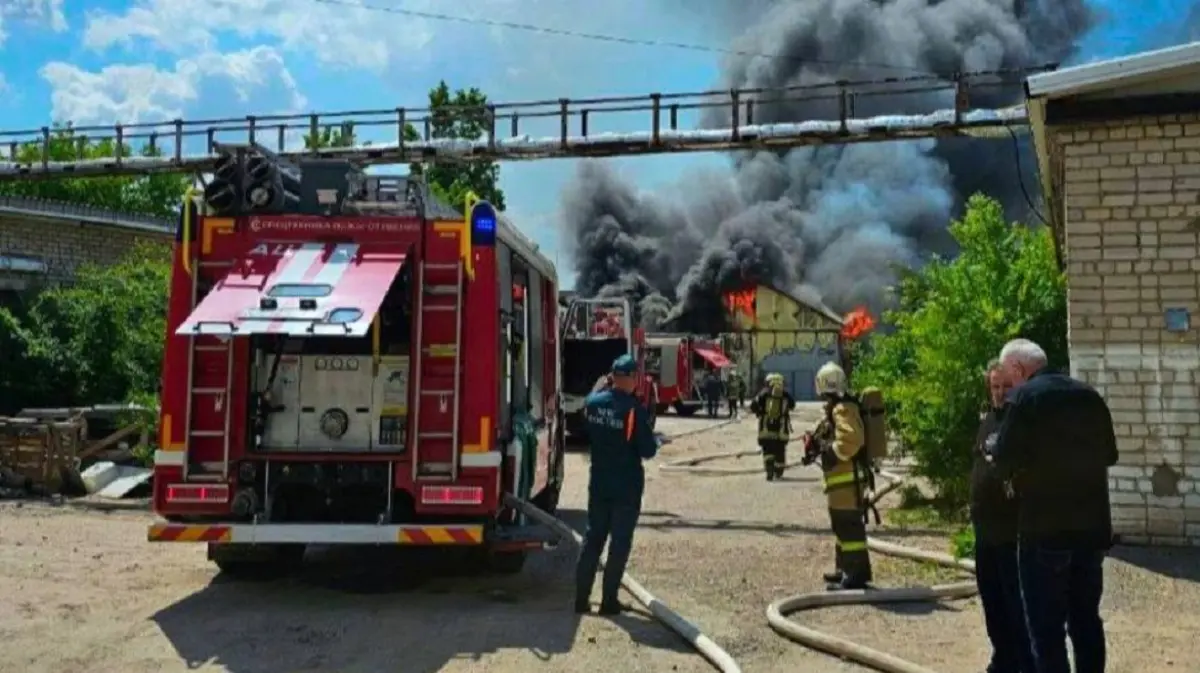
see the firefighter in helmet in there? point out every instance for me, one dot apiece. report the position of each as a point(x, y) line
point(772, 406)
point(840, 438)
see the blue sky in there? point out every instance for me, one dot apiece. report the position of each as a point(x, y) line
point(147, 60)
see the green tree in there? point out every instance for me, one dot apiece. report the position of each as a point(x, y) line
point(158, 195)
point(952, 316)
point(459, 114)
point(331, 136)
point(98, 340)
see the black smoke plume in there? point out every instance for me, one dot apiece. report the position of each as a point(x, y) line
point(827, 223)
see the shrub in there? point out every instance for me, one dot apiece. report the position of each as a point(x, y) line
point(951, 317)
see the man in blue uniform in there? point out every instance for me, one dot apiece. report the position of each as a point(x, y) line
point(620, 435)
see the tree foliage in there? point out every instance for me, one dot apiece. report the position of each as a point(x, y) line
point(158, 195)
point(459, 114)
point(98, 340)
point(951, 317)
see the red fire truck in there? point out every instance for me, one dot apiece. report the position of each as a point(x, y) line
point(678, 362)
point(596, 332)
point(351, 362)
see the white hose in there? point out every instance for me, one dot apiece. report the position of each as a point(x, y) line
point(867, 656)
point(714, 653)
point(694, 465)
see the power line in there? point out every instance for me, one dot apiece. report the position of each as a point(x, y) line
point(614, 39)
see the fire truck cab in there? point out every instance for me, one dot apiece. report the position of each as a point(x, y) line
point(677, 363)
point(596, 332)
point(354, 363)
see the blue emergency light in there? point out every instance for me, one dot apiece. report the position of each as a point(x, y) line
point(483, 223)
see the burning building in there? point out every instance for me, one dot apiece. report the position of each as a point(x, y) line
point(828, 224)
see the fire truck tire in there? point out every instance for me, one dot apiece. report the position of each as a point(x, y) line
point(506, 562)
point(685, 410)
point(256, 563)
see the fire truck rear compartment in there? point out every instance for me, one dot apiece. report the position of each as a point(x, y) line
point(585, 361)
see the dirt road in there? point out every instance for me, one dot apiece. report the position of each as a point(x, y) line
point(80, 591)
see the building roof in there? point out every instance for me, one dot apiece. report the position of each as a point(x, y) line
point(63, 211)
point(1116, 72)
point(814, 305)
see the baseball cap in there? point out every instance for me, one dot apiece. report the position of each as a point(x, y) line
point(624, 365)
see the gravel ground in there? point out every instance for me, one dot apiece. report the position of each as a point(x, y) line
point(80, 591)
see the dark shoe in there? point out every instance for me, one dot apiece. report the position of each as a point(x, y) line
point(582, 607)
point(834, 577)
point(614, 608)
point(779, 474)
point(770, 475)
point(848, 584)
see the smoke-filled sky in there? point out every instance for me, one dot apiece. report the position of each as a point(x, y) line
point(828, 222)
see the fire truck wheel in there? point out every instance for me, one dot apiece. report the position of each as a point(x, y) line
point(506, 562)
point(685, 410)
point(257, 562)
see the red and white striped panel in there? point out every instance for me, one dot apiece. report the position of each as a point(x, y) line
point(347, 282)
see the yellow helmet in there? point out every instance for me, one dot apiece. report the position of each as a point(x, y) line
point(831, 380)
point(774, 378)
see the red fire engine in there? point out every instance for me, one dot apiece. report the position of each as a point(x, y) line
point(678, 363)
point(596, 332)
point(350, 362)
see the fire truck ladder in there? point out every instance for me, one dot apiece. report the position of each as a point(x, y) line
point(437, 285)
point(220, 394)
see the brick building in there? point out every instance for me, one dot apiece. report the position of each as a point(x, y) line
point(43, 241)
point(1119, 153)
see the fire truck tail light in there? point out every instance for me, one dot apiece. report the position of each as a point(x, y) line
point(197, 493)
point(451, 495)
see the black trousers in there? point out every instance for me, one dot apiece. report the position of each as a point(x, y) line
point(610, 520)
point(774, 455)
point(851, 555)
point(999, 582)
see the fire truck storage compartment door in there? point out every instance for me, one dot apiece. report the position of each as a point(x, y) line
point(713, 357)
point(301, 289)
point(335, 403)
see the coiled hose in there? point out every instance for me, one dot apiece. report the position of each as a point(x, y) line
point(840, 647)
point(710, 650)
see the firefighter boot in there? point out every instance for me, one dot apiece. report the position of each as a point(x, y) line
point(780, 461)
point(769, 465)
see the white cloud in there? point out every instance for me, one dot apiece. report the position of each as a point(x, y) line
point(227, 83)
point(335, 34)
point(38, 12)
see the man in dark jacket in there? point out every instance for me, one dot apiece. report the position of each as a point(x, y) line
point(994, 518)
point(712, 388)
point(620, 435)
point(1057, 442)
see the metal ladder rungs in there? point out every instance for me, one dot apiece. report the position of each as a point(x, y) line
point(208, 391)
point(440, 266)
point(206, 433)
point(437, 392)
point(442, 290)
point(436, 435)
point(436, 309)
point(212, 348)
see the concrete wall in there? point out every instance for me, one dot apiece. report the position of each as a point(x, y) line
point(1132, 201)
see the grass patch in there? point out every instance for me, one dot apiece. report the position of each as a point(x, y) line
point(906, 573)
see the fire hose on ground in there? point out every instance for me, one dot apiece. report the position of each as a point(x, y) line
point(707, 648)
point(840, 647)
point(778, 611)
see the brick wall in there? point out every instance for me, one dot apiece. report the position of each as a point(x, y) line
point(1132, 199)
point(64, 244)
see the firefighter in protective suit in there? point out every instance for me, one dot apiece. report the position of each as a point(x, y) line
point(773, 406)
point(840, 437)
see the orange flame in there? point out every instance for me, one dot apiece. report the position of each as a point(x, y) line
point(741, 301)
point(857, 323)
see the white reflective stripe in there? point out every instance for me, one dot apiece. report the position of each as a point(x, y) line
point(335, 268)
point(325, 533)
point(296, 266)
point(489, 459)
point(168, 458)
